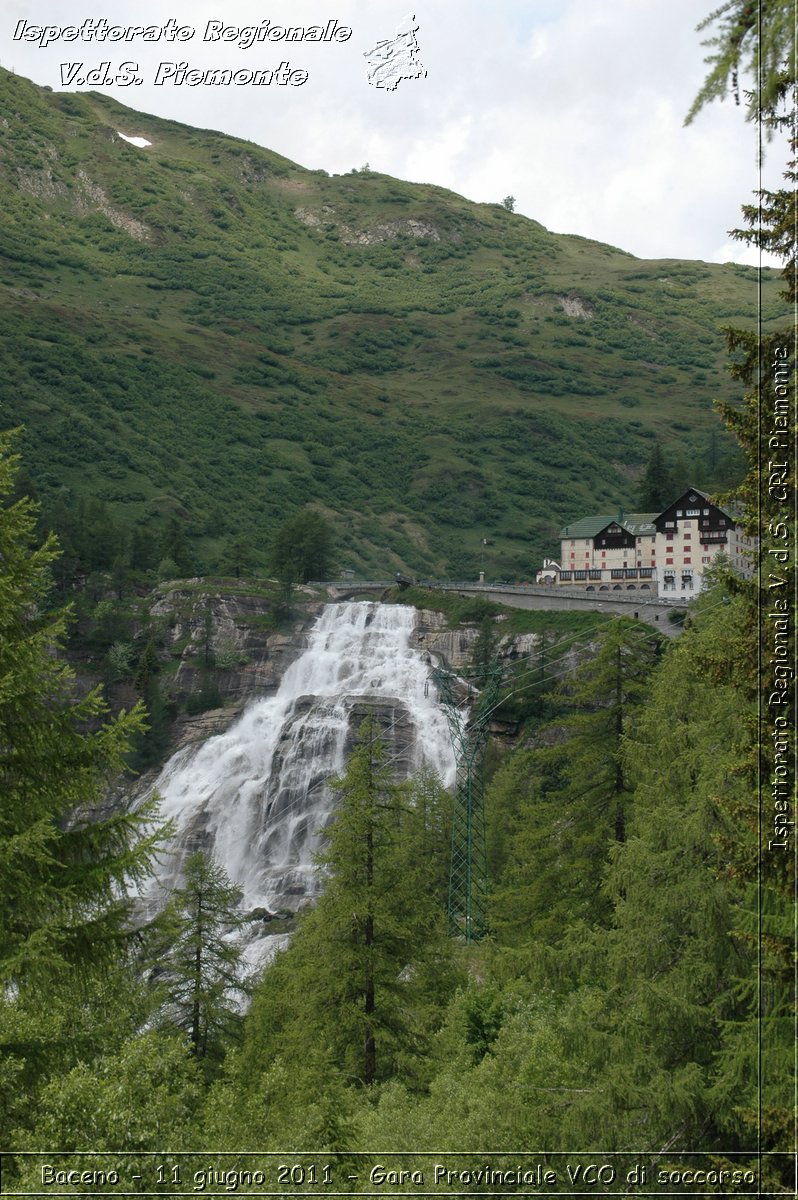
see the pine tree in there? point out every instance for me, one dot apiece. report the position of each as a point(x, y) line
point(356, 990)
point(670, 954)
point(655, 490)
point(61, 870)
point(753, 1065)
point(302, 548)
point(199, 966)
point(574, 794)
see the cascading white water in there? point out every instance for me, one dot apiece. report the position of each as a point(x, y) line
point(257, 796)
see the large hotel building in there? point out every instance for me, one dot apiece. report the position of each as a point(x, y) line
point(662, 553)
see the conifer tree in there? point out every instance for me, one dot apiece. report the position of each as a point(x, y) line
point(61, 869)
point(367, 913)
point(356, 989)
point(758, 39)
point(151, 741)
point(575, 794)
point(754, 1084)
point(174, 547)
point(64, 867)
point(670, 952)
point(655, 486)
point(199, 966)
point(302, 548)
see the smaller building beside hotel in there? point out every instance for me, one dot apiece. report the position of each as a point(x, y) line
point(663, 553)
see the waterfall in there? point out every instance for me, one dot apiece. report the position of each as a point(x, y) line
point(257, 796)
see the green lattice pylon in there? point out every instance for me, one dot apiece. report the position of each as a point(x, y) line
point(468, 869)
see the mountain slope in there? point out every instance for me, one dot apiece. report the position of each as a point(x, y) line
point(201, 327)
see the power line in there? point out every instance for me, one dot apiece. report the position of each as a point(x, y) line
point(642, 635)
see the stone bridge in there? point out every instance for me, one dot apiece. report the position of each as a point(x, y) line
point(643, 606)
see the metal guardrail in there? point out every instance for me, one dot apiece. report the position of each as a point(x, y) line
point(521, 589)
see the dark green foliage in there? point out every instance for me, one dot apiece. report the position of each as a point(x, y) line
point(755, 1079)
point(239, 556)
point(656, 488)
point(302, 548)
point(375, 922)
point(368, 967)
point(262, 366)
point(64, 867)
point(174, 548)
point(61, 869)
point(670, 954)
point(637, 992)
point(208, 695)
point(130, 1096)
point(199, 967)
point(575, 793)
point(151, 742)
point(759, 39)
point(485, 650)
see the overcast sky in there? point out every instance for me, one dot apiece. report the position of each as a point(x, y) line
point(575, 107)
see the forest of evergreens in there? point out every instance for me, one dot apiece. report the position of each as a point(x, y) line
point(621, 999)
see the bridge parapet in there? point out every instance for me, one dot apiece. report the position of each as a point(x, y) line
point(655, 610)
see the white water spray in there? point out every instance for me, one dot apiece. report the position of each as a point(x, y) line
point(257, 796)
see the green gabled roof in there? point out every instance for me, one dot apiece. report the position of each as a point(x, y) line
point(586, 527)
point(640, 522)
point(634, 523)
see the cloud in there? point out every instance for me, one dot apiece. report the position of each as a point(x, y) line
point(573, 106)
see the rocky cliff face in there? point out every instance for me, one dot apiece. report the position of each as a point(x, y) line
point(234, 626)
point(454, 646)
point(250, 656)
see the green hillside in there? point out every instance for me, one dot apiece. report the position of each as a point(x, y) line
point(202, 328)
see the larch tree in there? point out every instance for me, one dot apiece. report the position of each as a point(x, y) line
point(669, 949)
point(199, 963)
point(757, 41)
point(373, 921)
point(355, 989)
point(575, 793)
